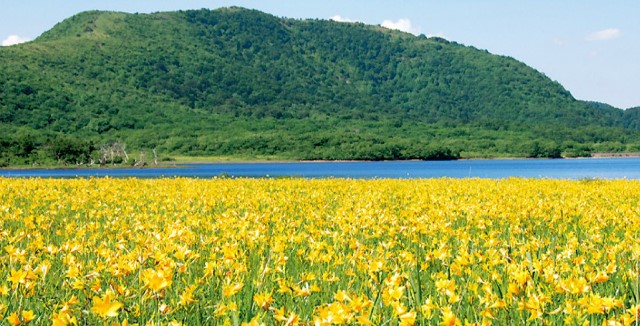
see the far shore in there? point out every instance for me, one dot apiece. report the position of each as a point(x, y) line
point(185, 160)
point(615, 155)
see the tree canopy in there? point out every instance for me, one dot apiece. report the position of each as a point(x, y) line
point(244, 83)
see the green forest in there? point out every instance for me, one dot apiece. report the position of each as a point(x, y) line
point(243, 84)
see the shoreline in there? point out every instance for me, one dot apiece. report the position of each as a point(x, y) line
point(211, 160)
point(616, 155)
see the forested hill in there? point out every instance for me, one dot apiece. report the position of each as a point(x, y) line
point(241, 83)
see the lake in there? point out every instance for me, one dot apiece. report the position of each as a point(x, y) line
point(603, 168)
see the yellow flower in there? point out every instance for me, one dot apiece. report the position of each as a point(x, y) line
point(408, 318)
point(27, 316)
point(364, 320)
point(220, 310)
point(283, 287)
point(449, 318)
point(231, 289)
point(292, 319)
point(77, 285)
point(427, 307)
point(254, 322)
point(44, 268)
point(499, 303)
point(156, 280)
point(360, 303)
point(448, 287)
point(341, 296)
point(302, 291)
point(187, 296)
point(396, 292)
point(279, 314)
point(263, 300)
point(17, 277)
point(63, 318)
point(600, 277)
point(74, 300)
point(635, 312)
point(105, 307)
point(487, 314)
point(13, 319)
point(573, 286)
point(533, 305)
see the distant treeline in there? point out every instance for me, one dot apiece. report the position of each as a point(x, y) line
point(30, 150)
point(66, 150)
point(37, 149)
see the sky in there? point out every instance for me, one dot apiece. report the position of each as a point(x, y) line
point(591, 47)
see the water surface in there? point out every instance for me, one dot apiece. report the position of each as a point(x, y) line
point(603, 168)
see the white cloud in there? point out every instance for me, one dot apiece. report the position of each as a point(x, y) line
point(341, 19)
point(604, 35)
point(13, 40)
point(403, 24)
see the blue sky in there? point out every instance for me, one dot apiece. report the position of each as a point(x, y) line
point(591, 47)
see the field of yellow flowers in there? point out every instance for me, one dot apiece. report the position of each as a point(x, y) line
point(319, 252)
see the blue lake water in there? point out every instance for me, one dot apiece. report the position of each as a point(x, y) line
point(603, 168)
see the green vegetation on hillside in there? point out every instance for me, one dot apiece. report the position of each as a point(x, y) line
point(236, 82)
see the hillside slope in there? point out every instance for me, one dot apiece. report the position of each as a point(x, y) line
point(243, 83)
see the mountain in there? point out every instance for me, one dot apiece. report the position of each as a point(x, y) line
point(242, 83)
point(632, 118)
